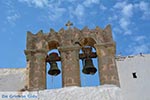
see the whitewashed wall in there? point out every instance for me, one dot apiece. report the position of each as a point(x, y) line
point(135, 88)
point(132, 88)
point(105, 92)
point(12, 79)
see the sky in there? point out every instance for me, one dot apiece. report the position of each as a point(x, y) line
point(129, 19)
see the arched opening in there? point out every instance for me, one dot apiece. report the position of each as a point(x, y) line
point(88, 79)
point(54, 81)
point(53, 78)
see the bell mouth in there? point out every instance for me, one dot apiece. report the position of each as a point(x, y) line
point(90, 71)
point(54, 72)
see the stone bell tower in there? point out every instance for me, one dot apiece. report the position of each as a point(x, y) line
point(67, 42)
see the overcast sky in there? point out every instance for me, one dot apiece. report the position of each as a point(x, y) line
point(130, 21)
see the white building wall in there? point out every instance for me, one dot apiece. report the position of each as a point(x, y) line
point(12, 79)
point(105, 92)
point(131, 88)
point(134, 88)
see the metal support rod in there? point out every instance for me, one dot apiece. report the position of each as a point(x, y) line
point(81, 56)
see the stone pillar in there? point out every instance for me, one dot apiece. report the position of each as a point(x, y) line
point(107, 65)
point(36, 66)
point(70, 65)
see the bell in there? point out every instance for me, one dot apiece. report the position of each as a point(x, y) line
point(54, 71)
point(89, 67)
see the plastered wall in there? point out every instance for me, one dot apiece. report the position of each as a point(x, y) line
point(12, 79)
point(104, 92)
point(134, 75)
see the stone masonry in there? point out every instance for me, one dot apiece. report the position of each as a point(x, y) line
point(65, 41)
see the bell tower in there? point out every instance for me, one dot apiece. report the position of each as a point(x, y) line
point(69, 42)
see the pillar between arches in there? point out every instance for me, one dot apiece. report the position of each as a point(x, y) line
point(70, 65)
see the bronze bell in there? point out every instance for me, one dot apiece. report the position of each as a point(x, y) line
point(54, 71)
point(89, 67)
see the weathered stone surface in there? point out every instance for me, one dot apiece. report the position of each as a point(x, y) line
point(66, 42)
point(70, 66)
point(107, 65)
point(36, 69)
